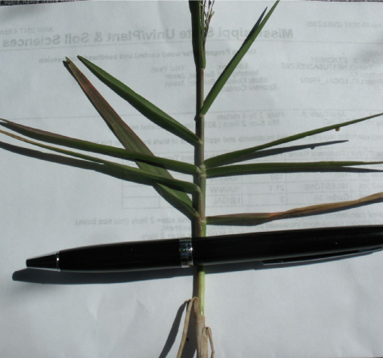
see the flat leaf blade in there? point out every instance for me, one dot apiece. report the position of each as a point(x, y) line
point(129, 173)
point(227, 72)
point(284, 150)
point(149, 110)
point(131, 141)
point(239, 154)
point(115, 152)
point(253, 219)
point(296, 167)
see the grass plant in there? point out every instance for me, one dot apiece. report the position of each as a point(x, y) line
point(189, 197)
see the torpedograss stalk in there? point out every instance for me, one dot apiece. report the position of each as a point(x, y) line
point(189, 197)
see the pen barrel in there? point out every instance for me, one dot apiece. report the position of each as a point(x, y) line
point(125, 256)
point(275, 245)
point(269, 247)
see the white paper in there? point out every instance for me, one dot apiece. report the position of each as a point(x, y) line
point(314, 64)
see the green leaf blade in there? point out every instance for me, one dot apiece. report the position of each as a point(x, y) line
point(119, 128)
point(129, 139)
point(238, 155)
point(227, 72)
point(141, 104)
point(127, 173)
point(296, 167)
point(284, 150)
point(115, 152)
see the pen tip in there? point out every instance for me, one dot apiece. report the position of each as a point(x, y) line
point(46, 262)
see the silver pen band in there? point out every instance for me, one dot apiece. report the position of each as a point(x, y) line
point(186, 252)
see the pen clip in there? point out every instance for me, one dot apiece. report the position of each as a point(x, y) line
point(320, 258)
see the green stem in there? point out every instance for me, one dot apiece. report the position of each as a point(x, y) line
point(199, 225)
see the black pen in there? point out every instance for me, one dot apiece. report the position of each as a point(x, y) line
point(274, 247)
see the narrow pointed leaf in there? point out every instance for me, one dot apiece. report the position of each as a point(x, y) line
point(115, 152)
point(120, 129)
point(131, 141)
point(245, 219)
point(129, 173)
point(283, 150)
point(239, 154)
point(298, 167)
point(50, 157)
point(87, 165)
point(145, 107)
point(225, 75)
point(252, 219)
